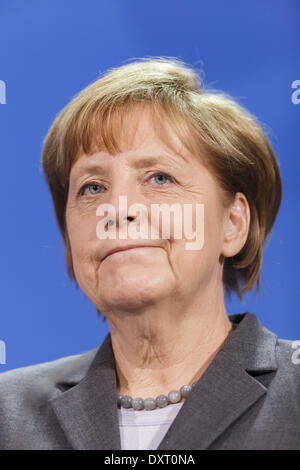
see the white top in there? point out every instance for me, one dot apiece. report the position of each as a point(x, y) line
point(145, 429)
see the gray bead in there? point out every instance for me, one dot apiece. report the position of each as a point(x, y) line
point(185, 390)
point(162, 401)
point(137, 403)
point(119, 398)
point(126, 401)
point(174, 396)
point(149, 403)
point(194, 384)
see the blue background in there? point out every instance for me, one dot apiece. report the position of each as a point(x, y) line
point(50, 50)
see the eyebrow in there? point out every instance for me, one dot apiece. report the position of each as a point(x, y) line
point(140, 163)
point(149, 161)
point(90, 169)
point(146, 162)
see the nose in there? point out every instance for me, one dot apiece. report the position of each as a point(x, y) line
point(123, 195)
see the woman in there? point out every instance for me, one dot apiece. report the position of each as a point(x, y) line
point(176, 371)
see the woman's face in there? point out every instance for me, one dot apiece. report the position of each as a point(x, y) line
point(147, 171)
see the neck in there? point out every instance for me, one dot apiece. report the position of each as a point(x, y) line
point(166, 346)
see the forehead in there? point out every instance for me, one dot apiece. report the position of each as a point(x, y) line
point(143, 135)
point(144, 125)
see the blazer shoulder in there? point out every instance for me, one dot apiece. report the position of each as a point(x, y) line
point(288, 354)
point(287, 380)
point(42, 378)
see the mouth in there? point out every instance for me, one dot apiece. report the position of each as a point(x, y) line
point(125, 248)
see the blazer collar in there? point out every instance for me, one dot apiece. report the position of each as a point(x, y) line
point(88, 413)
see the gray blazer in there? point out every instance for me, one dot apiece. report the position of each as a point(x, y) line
point(248, 398)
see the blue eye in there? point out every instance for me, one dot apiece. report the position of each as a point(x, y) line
point(162, 178)
point(93, 188)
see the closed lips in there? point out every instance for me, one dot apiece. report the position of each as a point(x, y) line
point(123, 248)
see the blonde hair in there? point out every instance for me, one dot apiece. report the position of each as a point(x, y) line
point(208, 122)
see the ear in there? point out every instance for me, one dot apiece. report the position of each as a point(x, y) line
point(236, 226)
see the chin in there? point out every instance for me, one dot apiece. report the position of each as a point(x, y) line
point(133, 295)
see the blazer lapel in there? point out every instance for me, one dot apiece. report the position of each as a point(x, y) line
point(226, 389)
point(87, 412)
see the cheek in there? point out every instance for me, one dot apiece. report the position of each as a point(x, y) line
point(203, 250)
point(82, 235)
point(213, 227)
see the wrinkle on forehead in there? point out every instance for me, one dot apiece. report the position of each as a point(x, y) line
point(129, 127)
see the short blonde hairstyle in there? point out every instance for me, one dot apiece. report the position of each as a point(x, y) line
point(209, 123)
